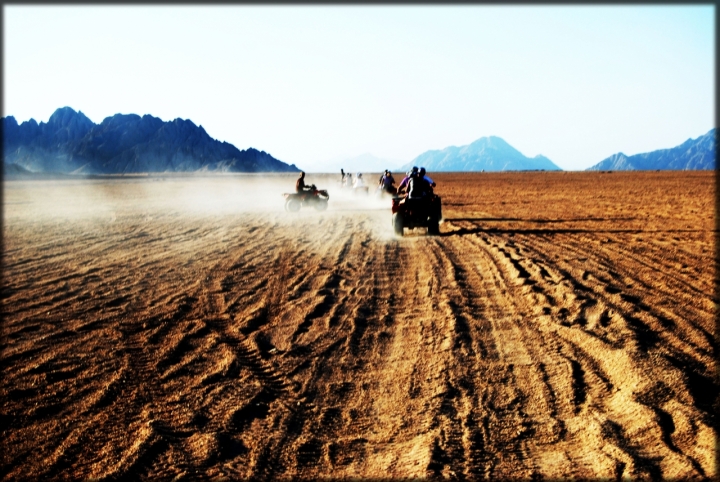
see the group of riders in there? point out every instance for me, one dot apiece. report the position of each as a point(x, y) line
point(347, 180)
point(415, 185)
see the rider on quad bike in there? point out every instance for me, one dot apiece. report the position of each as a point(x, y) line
point(403, 184)
point(421, 172)
point(358, 185)
point(420, 207)
point(385, 184)
point(427, 178)
point(306, 196)
point(418, 187)
point(300, 186)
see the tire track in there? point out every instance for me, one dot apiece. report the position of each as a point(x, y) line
point(510, 416)
point(540, 343)
point(520, 267)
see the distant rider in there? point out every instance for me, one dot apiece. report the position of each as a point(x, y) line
point(386, 182)
point(358, 182)
point(300, 186)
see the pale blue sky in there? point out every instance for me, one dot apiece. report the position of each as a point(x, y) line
point(314, 82)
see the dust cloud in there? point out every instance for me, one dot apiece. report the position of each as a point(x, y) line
point(144, 199)
point(196, 195)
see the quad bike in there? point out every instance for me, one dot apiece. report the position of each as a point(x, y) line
point(318, 198)
point(416, 213)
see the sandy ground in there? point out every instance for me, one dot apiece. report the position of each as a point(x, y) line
point(562, 325)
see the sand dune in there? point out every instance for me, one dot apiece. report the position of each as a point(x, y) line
point(562, 325)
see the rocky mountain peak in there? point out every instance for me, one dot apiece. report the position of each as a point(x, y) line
point(693, 154)
point(125, 143)
point(65, 117)
point(490, 153)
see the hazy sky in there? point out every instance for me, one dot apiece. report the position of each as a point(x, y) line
point(314, 82)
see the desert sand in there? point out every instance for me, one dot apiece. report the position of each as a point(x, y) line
point(158, 327)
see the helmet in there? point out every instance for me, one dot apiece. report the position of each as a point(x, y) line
point(414, 169)
point(422, 171)
point(359, 174)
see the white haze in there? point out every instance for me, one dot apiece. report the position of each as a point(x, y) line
point(156, 198)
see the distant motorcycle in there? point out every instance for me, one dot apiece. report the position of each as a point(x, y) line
point(317, 198)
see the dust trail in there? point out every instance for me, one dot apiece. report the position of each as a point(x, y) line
point(199, 195)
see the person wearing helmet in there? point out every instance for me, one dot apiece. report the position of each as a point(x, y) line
point(404, 183)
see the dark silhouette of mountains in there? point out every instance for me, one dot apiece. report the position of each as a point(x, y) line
point(693, 154)
point(485, 154)
point(71, 143)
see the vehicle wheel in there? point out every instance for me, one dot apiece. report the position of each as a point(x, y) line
point(292, 205)
point(433, 227)
point(397, 222)
point(321, 205)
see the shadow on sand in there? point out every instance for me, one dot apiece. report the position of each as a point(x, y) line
point(494, 229)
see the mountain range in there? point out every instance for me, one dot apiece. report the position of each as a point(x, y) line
point(693, 154)
point(124, 143)
point(485, 154)
point(70, 143)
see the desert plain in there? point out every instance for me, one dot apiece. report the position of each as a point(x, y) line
point(562, 325)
